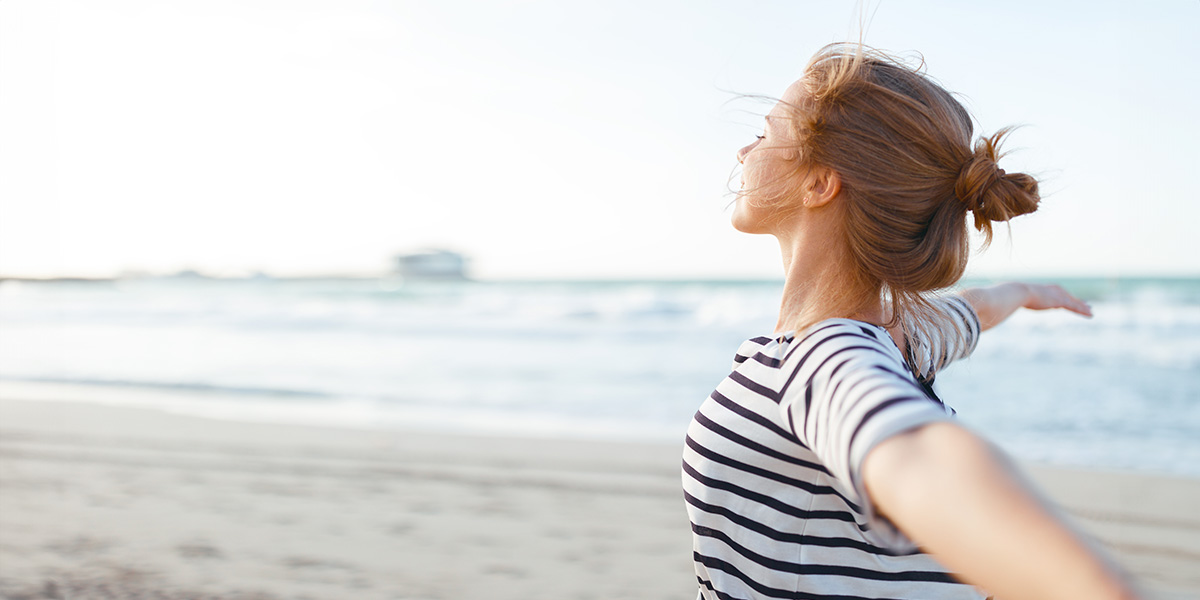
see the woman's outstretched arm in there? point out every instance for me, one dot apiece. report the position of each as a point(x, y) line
point(994, 304)
point(964, 502)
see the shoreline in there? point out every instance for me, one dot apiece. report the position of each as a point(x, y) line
point(245, 406)
point(99, 496)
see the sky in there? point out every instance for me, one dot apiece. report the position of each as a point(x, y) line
point(547, 139)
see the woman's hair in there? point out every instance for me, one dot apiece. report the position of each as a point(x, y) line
point(910, 172)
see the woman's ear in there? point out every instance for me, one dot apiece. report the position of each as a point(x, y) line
point(824, 185)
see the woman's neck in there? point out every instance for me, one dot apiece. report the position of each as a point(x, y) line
point(820, 284)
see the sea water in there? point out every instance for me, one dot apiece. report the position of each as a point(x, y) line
point(613, 360)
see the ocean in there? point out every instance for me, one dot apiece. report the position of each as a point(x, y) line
point(615, 360)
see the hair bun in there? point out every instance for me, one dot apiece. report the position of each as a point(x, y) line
point(975, 179)
point(988, 191)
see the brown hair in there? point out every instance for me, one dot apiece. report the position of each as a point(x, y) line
point(902, 147)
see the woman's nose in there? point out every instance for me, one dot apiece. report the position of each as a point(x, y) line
point(741, 154)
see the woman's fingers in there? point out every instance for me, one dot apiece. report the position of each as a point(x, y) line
point(1047, 296)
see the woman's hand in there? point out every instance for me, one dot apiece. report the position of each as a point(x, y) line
point(1046, 296)
point(996, 303)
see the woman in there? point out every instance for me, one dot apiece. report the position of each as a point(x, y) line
point(824, 466)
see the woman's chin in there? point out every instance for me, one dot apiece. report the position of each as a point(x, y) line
point(744, 219)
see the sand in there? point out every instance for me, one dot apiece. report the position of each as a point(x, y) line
point(113, 502)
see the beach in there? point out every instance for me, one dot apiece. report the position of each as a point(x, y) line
point(101, 501)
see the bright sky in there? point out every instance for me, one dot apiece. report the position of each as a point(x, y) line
point(546, 139)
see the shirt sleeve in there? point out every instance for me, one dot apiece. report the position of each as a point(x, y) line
point(950, 334)
point(847, 394)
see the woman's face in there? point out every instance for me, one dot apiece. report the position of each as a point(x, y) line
point(769, 170)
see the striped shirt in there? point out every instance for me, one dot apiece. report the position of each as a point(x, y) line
point(771, 464)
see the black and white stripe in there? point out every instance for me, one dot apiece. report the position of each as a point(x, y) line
point(770, 465)
point(953, 333)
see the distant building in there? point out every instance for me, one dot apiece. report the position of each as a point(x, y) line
point(432, 264)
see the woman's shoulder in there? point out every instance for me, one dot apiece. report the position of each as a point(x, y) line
point(810, 348)
point(845, 335)
point(837, 348)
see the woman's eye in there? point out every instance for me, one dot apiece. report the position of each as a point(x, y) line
point(761, 136)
